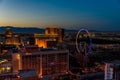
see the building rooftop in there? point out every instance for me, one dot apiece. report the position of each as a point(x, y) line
point(27, 73)
point(47, 52)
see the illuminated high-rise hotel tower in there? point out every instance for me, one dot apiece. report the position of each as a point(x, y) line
point(11, 38)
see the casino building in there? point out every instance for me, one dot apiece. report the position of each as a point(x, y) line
point(52, 36)
point(46, 62)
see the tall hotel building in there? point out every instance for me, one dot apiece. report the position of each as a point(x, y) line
point(11, 38)
point(46, 62)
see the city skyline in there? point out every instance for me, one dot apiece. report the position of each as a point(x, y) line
point(72, 14)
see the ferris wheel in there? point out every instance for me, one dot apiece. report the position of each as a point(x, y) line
point(83, 42)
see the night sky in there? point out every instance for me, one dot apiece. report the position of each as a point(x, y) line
point(71, 14)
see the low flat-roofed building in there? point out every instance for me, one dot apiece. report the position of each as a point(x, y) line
point(46, 41)
point(5, 67)
point(28, 74)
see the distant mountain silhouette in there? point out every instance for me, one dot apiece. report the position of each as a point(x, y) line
point(38, 30)
point(69, 30)
point(22, 30)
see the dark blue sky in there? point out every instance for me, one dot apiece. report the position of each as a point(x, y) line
point(72, 14)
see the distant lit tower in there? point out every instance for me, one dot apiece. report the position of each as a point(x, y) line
point(11, 38)
point(8, 31)
point(55, 31)
point(61, 34)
